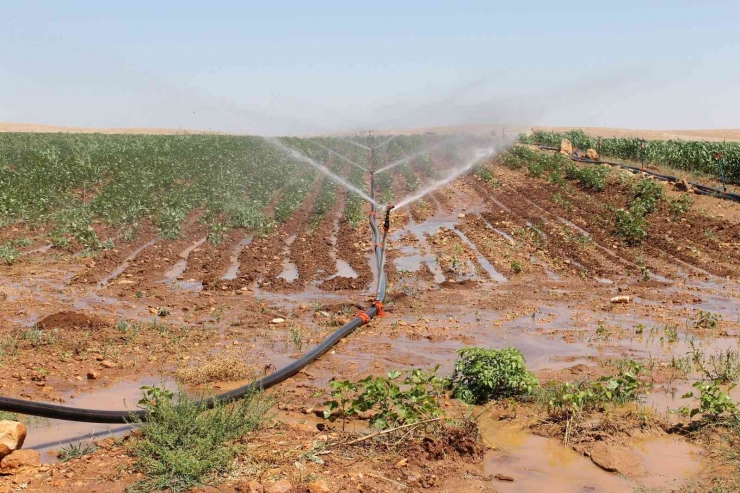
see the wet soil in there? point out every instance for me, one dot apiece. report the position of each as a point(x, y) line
point(476, 265)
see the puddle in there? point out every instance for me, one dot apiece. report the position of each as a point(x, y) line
point(182, 264)
point(413, 258)
point(483, 261)
point(233, 270)
point(668, 462)
point(553, 276)
point(45, 435)
point(503, 234)
point(540, 464)
point(42, 249)
point(344, 270)
point(124, 265)
point(290, 270)
point(574, 226)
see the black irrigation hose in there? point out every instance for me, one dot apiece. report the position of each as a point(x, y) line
point(699, 188)
point(55, 411)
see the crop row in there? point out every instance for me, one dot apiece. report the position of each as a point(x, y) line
point(73, 183)
point(691, 156)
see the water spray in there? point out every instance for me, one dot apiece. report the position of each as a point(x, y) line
point(56, 411)
point(300, 157)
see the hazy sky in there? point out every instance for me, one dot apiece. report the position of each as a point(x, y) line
point(299, 66)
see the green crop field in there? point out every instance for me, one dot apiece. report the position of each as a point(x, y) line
point(73, 183)
point(690, 156)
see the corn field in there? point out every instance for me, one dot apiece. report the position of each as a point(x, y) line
point(692, 156)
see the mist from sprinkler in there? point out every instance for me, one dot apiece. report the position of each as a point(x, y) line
point(386, 141)
point(338, 155)
point(480, 155)
point(350, 141)
point(300, 157)
point(414, 155)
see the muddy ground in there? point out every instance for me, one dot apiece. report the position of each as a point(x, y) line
point(493, 264)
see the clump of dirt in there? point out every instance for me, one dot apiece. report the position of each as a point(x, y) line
point(463, 442)
point(72, 320)
point(466, 284)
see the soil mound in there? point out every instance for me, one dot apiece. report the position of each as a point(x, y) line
point(71, 320)
point(466, 284)
point(463, 442)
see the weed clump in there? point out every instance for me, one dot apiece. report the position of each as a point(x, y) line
point(482, 375)
point(184, 444)
point(216, 369)
point(8, 254)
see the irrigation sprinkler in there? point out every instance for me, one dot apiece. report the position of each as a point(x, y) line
point(641, 153)
point(380, 248)
point(718, 157)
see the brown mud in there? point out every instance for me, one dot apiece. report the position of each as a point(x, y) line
point(560, 265)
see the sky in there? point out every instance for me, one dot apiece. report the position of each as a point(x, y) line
point(285, 67)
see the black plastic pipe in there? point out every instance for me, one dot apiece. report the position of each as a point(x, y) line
point(700, 189)
point(55, 411)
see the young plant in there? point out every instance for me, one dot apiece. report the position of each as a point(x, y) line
point(482, 375)
point(714, 403)
point(680, 206)
point(75, 450)
point(393, 401)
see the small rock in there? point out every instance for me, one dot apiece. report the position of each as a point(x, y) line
point(108, 364)
point(503, 477)
point(617, 459)
point(282, 486)
point(12, 436)
point(251, 487)
point(620, 299)
point(592, 154)
point(683, 186)
point(566, 147)
point(461, 216)
point(318, 486)
point(93, 375)
point(402, 462)
point(277, 321)
point(20, 461)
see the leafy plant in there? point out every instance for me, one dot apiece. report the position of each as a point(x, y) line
point(630, 226)
point(645, 195)
point(707, 320)
point(393, 401)
point(482, 375)
point(8, 254)
point(713, 401)
point(516, 267)
point(680, 206)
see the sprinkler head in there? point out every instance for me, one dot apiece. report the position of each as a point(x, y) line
point(387, 222)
